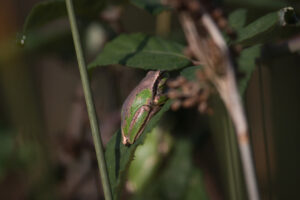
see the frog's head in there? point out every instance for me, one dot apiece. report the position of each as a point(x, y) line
point(160, 97)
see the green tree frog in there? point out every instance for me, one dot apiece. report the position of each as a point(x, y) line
point(142, 104)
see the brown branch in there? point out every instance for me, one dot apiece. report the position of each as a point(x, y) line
point(209, 47)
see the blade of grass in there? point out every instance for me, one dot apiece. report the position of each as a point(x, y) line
point(89, 102)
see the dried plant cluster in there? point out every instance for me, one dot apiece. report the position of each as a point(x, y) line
point(196, 93)
point(189, 94)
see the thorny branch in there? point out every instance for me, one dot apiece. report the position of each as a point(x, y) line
point(209, 47)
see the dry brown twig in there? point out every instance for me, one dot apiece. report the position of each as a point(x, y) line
point(209, 47)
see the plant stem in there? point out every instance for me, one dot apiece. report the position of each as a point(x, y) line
point(90, 103)
point(163, 23)
point(219, 70)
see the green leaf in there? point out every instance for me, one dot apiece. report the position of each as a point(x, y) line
point(142, 51)
point(148, 159)
point(196, 186)
point(6, 151)
point(257, 4)
point(266, 27)
point(179, 179)
point(57, 42)
point(190, 72)
point(246, 65)
point(237, 19)
point(174, 180)
point(152, 6)
point(50, 10)
point(118, 156)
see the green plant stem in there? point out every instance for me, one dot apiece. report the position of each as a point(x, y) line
point(90, 103)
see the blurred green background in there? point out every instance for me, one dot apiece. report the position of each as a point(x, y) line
point(46, 150)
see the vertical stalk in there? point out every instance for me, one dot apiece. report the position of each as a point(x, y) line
point(89, 102)
point(163, 23)
point(225, 84)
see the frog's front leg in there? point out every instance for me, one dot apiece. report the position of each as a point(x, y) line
point(133, 128)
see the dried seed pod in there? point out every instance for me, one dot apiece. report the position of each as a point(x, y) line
point(193, 6)
point(176, 105)
point(173, 94)
point(229, 31)
point(177, 82)
point(190, 93)
point(202, 107)
point(203, 95)
point(217, 13)
point(222, 23)
point(237, 48)
point(190, 102)
point(181, 80)
point(188, 88)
